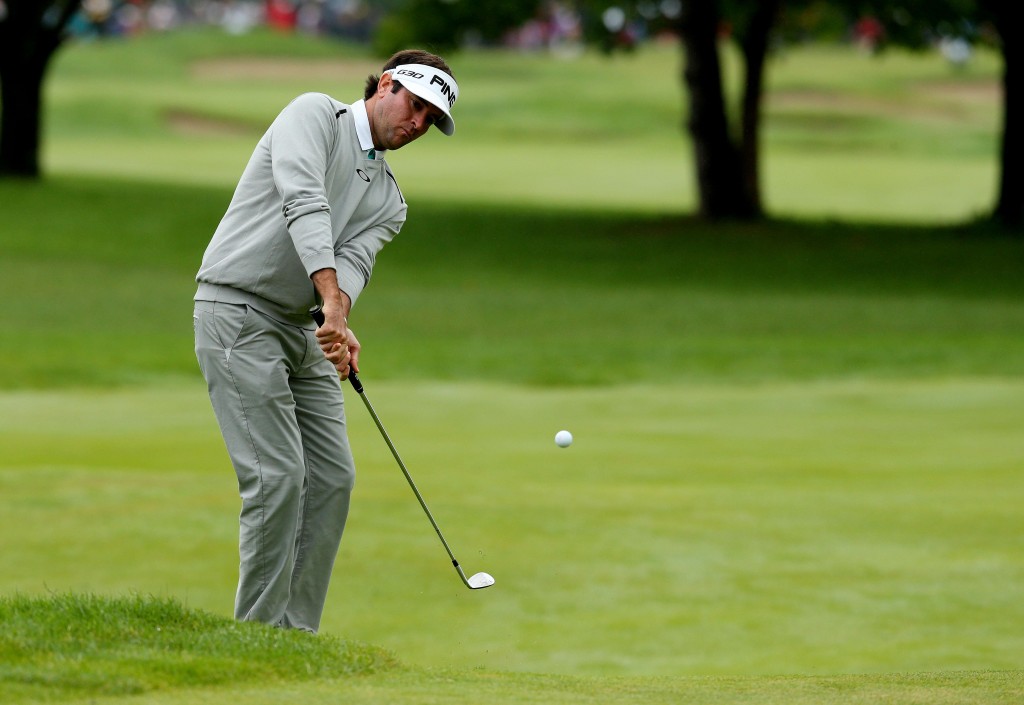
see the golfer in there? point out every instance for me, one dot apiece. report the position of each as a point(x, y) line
point(312, 209)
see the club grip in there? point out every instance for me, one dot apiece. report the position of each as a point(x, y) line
point(318, 316)
point(354, 379)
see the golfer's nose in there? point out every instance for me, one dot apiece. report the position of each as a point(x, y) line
point(420, 120)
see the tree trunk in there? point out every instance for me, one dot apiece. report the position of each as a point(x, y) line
point(20, 118)
point(1009, 210)
point(717, 158)
point(30, 34)
point(755, 51)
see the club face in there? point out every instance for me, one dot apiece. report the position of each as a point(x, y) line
point(480, 580)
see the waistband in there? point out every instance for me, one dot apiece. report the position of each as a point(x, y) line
point(230, 295)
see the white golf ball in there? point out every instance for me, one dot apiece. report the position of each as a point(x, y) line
point(563, 439)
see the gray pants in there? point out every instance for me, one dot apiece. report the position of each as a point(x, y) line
point(280, 408)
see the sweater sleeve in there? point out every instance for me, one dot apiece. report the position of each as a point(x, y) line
point(303, 137)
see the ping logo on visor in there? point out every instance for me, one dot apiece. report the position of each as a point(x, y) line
point(432, 85)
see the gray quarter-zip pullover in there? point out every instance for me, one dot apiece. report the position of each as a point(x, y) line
point(314, 195)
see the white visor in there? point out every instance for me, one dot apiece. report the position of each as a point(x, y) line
point(432, 85)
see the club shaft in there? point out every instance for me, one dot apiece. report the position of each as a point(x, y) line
point(353, 378)
point(408, 477)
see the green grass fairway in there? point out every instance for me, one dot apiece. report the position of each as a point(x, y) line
point(796, 475)
point(153, 651)
point(854, 527)
point(142, 650)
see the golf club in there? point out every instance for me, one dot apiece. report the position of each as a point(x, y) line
point(476, 581)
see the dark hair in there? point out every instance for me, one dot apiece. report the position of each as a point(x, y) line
point(408, 56)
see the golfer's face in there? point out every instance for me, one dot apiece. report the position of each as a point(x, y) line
point(401, 118)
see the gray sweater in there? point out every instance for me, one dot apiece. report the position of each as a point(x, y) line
point(313, 196)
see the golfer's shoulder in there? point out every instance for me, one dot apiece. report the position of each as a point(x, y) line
point(318, 104)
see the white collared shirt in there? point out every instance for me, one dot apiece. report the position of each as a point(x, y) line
point(362, 121)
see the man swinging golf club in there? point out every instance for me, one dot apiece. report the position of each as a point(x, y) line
point(313, 207)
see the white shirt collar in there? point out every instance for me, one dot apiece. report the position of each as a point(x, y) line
point(362, 121)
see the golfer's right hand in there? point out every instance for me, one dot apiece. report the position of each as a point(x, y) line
point(333, 339)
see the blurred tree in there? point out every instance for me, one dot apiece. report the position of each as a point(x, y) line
point(31, 31)
point(727, 162)
point(727, 157)
point(443, 25)
point(1009, 209)
point(920, 23)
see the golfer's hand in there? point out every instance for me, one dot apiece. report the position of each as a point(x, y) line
point(353, 349)
point(333, 339)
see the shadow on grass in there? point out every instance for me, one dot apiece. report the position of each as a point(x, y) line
point(542, 296)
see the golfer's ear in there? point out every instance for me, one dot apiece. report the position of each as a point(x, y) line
point(384, 84)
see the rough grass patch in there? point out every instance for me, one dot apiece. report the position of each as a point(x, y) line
point(89, 645)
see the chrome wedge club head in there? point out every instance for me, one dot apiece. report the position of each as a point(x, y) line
point(477, 581)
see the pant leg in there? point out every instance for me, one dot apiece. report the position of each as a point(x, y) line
point(330, 475)
point(245, 359)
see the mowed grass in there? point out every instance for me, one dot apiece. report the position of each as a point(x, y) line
point(690, 531)
point(797, 453)
point(84, 648)
point(145, 650)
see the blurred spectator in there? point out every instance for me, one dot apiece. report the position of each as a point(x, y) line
point(238, 17)
point(162, 16)
point(556, 27)
point(619, 32)
point(281, 14)
point(868, 34)
point(129, 18)
point(308, 17)
point(97, 14)
point(956, 50)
